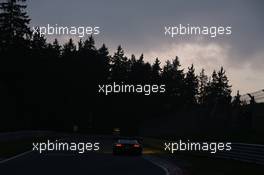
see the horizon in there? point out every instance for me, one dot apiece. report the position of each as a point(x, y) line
point(143, 22)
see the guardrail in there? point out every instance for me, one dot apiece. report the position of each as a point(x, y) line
point(9, 136)
point(258, 97)
point(251, 153)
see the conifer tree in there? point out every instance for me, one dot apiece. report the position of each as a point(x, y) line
point(119, 65)
point(191, 89)
point(69, 49)
point(219, 89)
point(203, 83)
point(13, 23)
point(156, 70)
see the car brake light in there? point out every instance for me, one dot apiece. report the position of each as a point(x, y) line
point(136, 145)
point(118, 145)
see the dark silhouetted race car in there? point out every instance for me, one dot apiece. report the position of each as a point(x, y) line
point(127, 146)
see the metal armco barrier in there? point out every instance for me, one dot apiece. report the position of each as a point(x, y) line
point(252, 153)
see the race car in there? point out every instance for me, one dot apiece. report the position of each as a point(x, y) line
point(127, 146)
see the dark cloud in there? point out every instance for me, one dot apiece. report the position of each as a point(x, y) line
point(139, 25)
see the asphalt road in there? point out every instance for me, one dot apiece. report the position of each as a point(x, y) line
point(68, 163)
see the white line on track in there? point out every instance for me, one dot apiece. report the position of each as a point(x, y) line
point(15, 157)
point(168, 167)
point(18, 155)
point(157, 164)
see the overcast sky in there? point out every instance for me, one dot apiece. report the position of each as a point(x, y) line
point(138, 26)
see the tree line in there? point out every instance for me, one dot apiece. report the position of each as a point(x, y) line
point(49, 85)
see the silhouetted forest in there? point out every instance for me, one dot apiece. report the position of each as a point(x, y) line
point(55, 86)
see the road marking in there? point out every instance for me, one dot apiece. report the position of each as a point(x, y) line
point(16, 156)
point(169, 168)
point(157, 164)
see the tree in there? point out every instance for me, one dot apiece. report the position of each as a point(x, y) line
point(119, 65)
point(80, 45)
point(191, 86)
point(56, 48)
point(104, 59)
point(224, 89)
point(139, 71)
point(89, 44)
point(69, 49)
point(219, 90)
point(203, 83)
point(133, 60)
point(38, 42)
point(252, 99)
point(237, 101)
point(173, 77)
point(156, 71)
point(13, 23)
point(103, 51)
